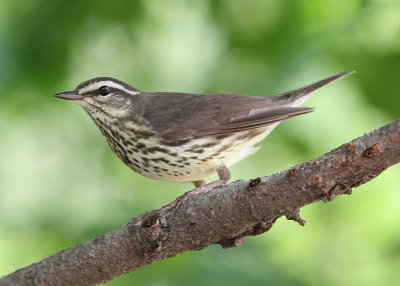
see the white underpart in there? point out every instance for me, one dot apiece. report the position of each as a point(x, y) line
point(247, 148)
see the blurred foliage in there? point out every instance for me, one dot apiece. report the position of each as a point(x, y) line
point(60, 184)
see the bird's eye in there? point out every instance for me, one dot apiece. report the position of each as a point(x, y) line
point(104, 90)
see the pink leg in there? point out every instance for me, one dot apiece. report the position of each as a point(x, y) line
point(201, 186)
point(199, 183)
point(224, 176)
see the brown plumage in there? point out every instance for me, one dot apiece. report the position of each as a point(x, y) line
point(185, 137)
point(216, 114)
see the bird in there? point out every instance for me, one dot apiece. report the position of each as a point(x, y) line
point(184, 137)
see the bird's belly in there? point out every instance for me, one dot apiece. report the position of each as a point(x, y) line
point(168, 163)
point(192, 160)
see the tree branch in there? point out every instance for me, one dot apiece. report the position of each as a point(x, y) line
point(222, 216)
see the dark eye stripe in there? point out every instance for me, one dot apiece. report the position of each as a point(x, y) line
point(97, 91)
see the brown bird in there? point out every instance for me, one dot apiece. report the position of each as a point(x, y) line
point(184, 137)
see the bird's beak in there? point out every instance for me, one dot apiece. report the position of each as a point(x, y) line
point(70, 95)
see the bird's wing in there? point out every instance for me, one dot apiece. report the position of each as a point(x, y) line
point(180, 116)
point(187, 116)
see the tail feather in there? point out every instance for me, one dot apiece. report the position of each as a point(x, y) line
point(292, 98)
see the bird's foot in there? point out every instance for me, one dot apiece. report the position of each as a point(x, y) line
point(201, 187)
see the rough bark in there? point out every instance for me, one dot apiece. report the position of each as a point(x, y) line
point(222, 216)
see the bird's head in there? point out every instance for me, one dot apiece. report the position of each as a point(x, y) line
point(103, 96)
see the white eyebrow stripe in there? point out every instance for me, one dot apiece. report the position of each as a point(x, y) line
point(96, 85)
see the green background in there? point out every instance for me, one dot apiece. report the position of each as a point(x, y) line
point(60, 184)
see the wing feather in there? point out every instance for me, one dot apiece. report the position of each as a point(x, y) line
point(180, 116)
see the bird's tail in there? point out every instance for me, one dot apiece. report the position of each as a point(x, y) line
point(298, 96)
